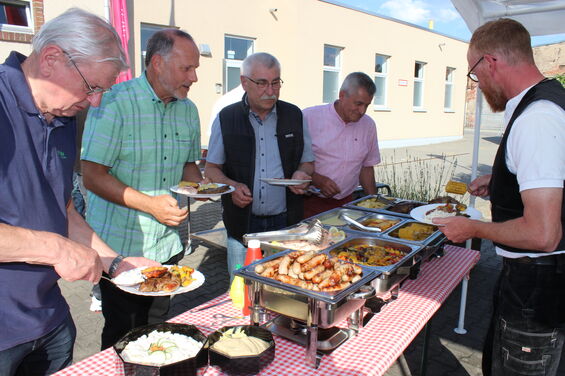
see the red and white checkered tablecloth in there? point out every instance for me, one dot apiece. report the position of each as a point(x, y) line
point(371, 352)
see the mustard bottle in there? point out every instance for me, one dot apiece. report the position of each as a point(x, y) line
point(237, 290)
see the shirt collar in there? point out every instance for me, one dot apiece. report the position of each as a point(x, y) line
point(21, 90)
point(145, 84)
point(336, 115)
point(513, 103)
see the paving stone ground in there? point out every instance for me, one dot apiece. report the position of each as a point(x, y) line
point(449, 353)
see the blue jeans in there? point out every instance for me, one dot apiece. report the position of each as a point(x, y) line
point(526, 334)
point(43, 356)
point(237, 251)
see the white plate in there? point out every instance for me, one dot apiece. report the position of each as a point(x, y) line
point(285, 182)
point(196, 275)
point(419, 213)
point(180, 191)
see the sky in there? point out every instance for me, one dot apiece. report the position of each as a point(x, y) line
point(446, 18)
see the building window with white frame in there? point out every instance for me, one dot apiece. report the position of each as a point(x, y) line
point(147, 32)
point(236, 49)
point(418, 101)
point(15, 16)
point(448, 102)
point(381, 72)
point(332, 66)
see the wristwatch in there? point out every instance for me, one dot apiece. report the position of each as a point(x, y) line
point(114, 265)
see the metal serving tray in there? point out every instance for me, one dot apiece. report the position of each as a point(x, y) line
point(433, 238)
point(360, 232)
point(387, 202)
point(386, 209)
point(331, 217)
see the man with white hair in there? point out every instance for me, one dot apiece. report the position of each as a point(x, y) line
point(257, 138)
point(42, 237)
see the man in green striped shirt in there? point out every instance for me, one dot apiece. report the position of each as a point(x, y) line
point(143, 139)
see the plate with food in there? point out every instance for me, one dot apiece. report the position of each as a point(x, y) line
point(165, 280)
point(199, 190)
point(427, 213)
point(284, 182)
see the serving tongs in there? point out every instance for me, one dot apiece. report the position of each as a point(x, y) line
point(311, 231)
point(353, 222)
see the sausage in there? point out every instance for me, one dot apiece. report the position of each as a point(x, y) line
point(337, 287)
point(269, 272)
point(294, 281)
point(321, 276)
point(312, 272)
point(296, 268)
point(305, 257)
point(283, 266)
point(313, 262)
point(259, 269)
point(331, 281)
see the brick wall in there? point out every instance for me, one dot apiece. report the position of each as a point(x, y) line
point(38, 21)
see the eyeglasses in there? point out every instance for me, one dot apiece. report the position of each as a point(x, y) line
point(263, 84)
point(91, 90)
point(472, 76)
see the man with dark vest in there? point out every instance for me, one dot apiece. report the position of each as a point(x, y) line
point(526, 193)
point(258, 138)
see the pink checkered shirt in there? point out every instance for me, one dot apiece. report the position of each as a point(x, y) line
point(341, 149)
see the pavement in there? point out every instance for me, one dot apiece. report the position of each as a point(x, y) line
point(449, 353)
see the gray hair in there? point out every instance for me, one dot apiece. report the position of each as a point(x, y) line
point(266, 60)
point(161, 43)
point(84, 36)
point(357, 80)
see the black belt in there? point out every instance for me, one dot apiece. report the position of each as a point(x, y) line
point(543, 260)
point(267, 216)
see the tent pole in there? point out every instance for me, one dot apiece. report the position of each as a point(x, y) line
point(476, 140)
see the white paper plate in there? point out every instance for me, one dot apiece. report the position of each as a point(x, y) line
point(180, 191)
point(196, 275)
point(419, 213)
point(285, 182)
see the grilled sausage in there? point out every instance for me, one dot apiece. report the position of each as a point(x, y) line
point(305, 257)
point(259, 269)
point(313, 262)
point(283, 266)
point(312, 272)
point(321, 276)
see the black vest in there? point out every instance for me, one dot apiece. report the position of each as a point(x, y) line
point(239, 148)
point(506, 202)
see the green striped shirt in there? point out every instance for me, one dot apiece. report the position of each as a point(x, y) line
point(146, 145)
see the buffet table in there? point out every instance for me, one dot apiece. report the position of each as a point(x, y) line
point(371, 352)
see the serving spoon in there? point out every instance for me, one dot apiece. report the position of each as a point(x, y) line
point(353, 222)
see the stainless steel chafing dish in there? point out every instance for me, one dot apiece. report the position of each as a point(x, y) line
point(385, 209)
point(391, 276)
point(307, 310)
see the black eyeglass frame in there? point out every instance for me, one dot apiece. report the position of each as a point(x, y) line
point(91, 90)
point(275, 84)
point(471, 75)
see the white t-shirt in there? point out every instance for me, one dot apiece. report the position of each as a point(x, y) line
point(535, 151)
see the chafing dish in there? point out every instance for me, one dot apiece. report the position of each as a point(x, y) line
point(390, 209)
point(370, 216)
point(391, 276)
point(432, 244)
point(306, 309)
point(371, 203)
point(331, 217)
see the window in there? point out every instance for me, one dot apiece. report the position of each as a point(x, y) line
point(332, 65)
point(15, 16)
point(147, 32)
point(448, 88)
point(418, 101)
point(236, 49)
point(381, 71)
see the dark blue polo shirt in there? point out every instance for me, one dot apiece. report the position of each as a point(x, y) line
point(36, 165)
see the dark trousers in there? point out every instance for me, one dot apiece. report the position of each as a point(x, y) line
point(43, 356)
point(526, 333)
point(123, 311)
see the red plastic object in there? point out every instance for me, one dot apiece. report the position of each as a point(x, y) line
point(253, 253)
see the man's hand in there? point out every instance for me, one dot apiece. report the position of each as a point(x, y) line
point(327, 186)
point(242, 196)
point(78, 262)
point(165, 209)
point(134, 262)
point(300, 189)
point(456, 229)
point(479, 186)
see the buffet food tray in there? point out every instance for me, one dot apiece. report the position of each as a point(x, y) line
point(388, 203)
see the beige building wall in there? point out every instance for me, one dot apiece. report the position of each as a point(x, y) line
point(296, 34)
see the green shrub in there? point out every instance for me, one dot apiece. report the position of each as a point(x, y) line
point(561, 78)
point(416, 178)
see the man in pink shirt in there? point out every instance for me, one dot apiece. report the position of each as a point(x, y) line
point(344, 142)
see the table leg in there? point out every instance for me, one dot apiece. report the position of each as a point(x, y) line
point(462, 306)
point(424, 360)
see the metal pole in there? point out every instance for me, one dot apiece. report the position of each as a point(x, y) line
point(476, 140)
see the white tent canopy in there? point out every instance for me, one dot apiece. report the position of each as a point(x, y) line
point(540, 17)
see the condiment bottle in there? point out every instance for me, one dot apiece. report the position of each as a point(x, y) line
point(237, 290)
point(253, 253)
